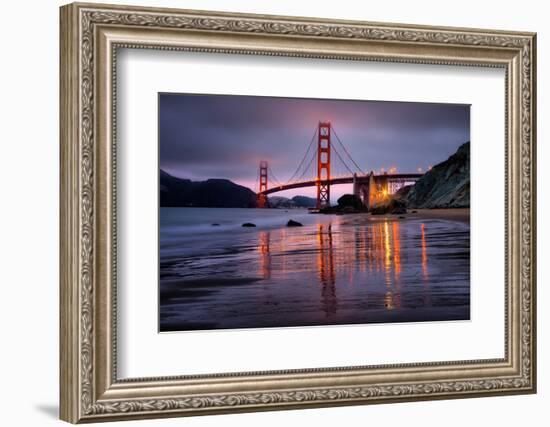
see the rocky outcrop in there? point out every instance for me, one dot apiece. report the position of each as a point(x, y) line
point(403, 192)
point(392, 206)
point(347, 204)
point(446, 185)
point(212, 193)
point(350, 201)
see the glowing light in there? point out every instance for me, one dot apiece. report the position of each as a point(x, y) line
point(265, 258)
point(424, 250)
point(396, 248)
point(419, 170)
point(326, 270)
point(387, 253)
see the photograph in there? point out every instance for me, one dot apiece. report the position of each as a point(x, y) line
point(278, 209)
point(293, 212)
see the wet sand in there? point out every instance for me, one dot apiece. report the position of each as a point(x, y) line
point(462, 215)
point(348, 269)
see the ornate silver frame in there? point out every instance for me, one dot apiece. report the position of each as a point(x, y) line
point(90, 36)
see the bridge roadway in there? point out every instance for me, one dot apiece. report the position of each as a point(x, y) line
point(344, 180)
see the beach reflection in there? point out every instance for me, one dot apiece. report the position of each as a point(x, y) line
point(325, 269)
point(424, 246)
point(374, 250)
point(265, 255)
point(333, 270)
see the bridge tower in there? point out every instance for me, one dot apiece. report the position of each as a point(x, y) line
point(366, 189)
point(262, 198)
point(323, 165)
point(372, 191)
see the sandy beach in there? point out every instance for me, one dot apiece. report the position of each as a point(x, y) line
point(455, 215)
point(336, 269)
point(462, 214)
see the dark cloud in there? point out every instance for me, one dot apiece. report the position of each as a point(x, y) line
point(205, 136)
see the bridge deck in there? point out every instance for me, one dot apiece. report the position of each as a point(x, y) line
point(342, 180)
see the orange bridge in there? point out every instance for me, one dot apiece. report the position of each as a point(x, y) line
point(371, 188)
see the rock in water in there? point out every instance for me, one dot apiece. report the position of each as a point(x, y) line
point(215, 224)
point(292, 223)
point(248, 224)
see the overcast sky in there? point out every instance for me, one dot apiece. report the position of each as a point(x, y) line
point(214, 136)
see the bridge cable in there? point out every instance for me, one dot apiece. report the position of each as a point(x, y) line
point(273, 177)
point(273, 184)
point(342, 160)
point(305, 156)
point(346, 151)
point(309, 164)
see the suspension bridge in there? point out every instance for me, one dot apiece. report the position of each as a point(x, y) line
point(317, 169)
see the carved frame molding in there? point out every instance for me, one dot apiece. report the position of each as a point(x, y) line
point(90, 37)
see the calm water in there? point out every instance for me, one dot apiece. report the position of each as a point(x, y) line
point(334, 270)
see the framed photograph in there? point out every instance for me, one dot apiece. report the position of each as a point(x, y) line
point(265, 212)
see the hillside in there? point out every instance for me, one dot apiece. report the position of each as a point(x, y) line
point(296, 202)
point(446, 185)
point(212, 193)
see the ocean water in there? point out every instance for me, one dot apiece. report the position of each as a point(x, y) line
point(349, 269)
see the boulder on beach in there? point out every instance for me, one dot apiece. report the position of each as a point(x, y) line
point(248, 224)
point(347, 204)
point(292, 223)
point(350, 202)
point(392, 206)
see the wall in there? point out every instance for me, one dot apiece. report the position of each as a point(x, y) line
point(29, 215)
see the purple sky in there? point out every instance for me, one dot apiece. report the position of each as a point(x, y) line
point(216, 136)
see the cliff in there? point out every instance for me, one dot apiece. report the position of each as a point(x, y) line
point(446, 185)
